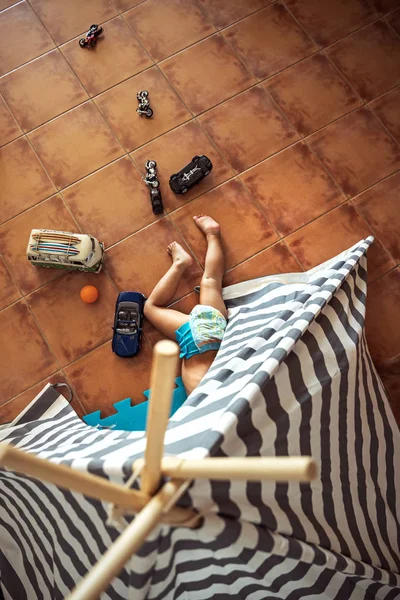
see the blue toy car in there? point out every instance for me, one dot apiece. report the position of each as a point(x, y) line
point(128, 321)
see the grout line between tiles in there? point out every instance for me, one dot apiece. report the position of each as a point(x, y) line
point(14, 281)
point(383, 275)
point(238, 20)
point(383, 94)
point(343, 76)
point(360, 214)
point(382, 124)
point(42, 334)
point(302, 27)
point(40, 20)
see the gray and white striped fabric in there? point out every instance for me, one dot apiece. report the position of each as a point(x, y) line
point(293, 376)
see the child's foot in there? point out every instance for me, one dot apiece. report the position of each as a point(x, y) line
point(179, 255)
point(207, 224)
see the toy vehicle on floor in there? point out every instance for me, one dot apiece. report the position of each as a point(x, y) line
point(151, 180)
point(65, 250)
point(128, 320)
point(91, 37)
point(199, 167)
point(144, 104)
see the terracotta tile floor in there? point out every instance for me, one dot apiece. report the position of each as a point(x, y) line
point(297, 104)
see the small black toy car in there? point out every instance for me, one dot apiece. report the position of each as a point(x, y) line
point(151, 180)
point(128, 321)
point(193, 173)
point(156, 202)
point(144, 104)
point(91, 36)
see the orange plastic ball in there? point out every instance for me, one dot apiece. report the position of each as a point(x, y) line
point(89, 293)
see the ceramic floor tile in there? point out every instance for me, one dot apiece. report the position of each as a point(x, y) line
point(19, 193)
point(329, 21)
point(331, 234)
point(150, 262)
point(133, 130)
point(172, 152)
point(110, 222)
point(388, 111)
point(382, 322)
point(23, 363)
point(117, 55)
point(22, 37)
point(8, 290)
point(14, 407)
point(380, 207)
point(123, 5)
point(225, 12)
point(370, 59)
point(167, 26)
point(394, 21)
point(75, 144)
point(312, 94)
point(385, 6)
point(187, 303)
point(14, 236)
point(357, 151)
point(64, 20)
point(71, 326)
point(207, 82)
point(269, 41)
point(292, 201)
point(244, 229)
point(121, 378)
point(248, 128)
point(276, 259)
point(9, 128)
point(23, 90)
point(6, 3)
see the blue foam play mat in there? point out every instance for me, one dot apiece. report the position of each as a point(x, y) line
point(133, 418)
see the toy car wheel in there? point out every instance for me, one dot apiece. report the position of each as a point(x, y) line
point(93, 27)
point(144, 93)
point(149, 112)
point(151, 164)
point(82, 42)
point(100, 31)
point(184, 190)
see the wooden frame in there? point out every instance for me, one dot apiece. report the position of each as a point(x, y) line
point(152, 505)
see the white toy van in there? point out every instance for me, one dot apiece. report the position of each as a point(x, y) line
point(64, 250)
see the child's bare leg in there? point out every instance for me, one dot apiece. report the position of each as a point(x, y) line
point(167, 320)
point(214, 267)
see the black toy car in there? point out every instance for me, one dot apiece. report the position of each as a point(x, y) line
point(156, 202)
point(144, 104)
point(91, 36)
point(151, 180)
point(128, 321)
point(195, 171)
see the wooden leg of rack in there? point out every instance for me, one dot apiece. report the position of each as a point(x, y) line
point(66, 477)
point(285, 468)
point(162, 385)
point(129, 542)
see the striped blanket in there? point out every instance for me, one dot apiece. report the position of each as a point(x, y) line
point(293, 376)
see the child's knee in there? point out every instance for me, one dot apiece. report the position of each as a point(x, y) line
point(210, 283)
point(147, 308)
